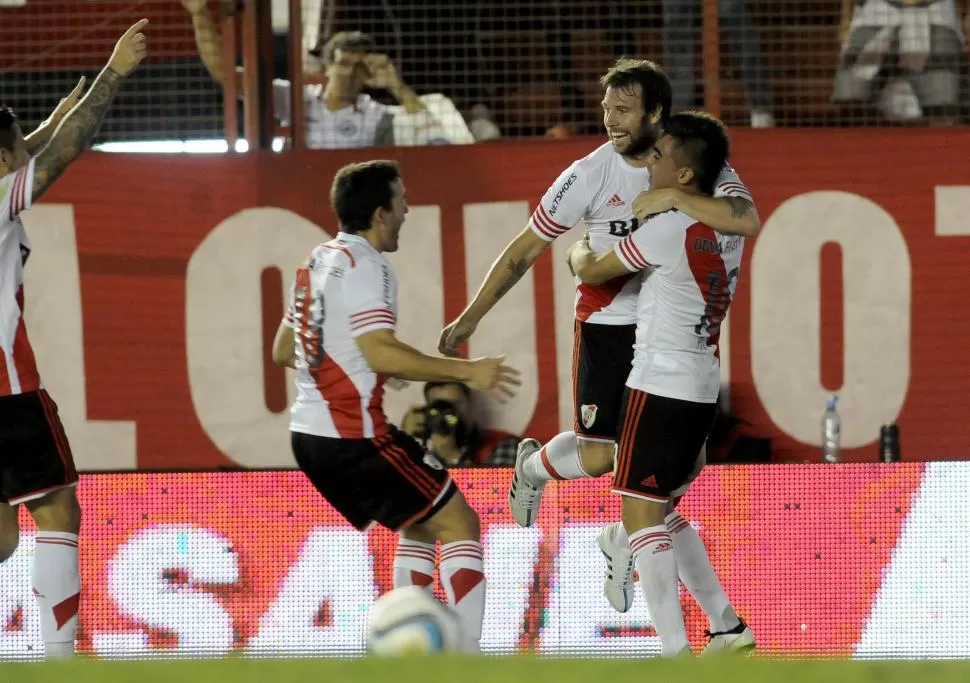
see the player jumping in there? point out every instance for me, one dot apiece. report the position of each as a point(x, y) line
point(605, 190)
point(690, 273)
point(36, 465)
point(339, 336)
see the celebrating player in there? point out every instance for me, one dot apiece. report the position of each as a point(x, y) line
point(605, 189)
point(690, 275)
point(339, 335)
point(36, 465)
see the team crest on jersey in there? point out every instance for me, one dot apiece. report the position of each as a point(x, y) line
point(431, 460)
point(588, 414)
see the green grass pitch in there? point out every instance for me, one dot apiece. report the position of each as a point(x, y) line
point(486, 670)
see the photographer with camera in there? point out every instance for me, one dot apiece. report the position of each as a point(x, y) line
point(446, 425)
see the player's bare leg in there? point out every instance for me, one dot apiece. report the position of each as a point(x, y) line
point(9, 531)
point(56, 577)
point(653, 554)
point(462, 567)
point(565, 457)
point(415, 558)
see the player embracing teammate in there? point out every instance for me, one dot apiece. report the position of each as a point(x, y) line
point(605, 190)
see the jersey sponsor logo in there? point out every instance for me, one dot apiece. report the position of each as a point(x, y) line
point(588, 415)
point(662, 547)
point(615, 201)
point(624, 228)
point(562, 192)
point(650, 482)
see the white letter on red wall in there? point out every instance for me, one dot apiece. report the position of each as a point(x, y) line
point(224, 330)
point(785, 320)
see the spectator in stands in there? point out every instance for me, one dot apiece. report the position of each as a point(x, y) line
point(339, 114)
point(903, 57)
point(447, 424)
point(682, 43)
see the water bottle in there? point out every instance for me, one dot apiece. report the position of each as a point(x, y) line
point(831, 428)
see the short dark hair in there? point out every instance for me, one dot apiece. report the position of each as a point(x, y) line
point(360, 189)
point(628, 71)
point(8, 128)
point(703, 143)
point(346, 41)
point(431, 386)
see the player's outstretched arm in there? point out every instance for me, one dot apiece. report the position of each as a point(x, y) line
point(77, 130)
point(388, 356)
point(41, 135)
point(508, 269)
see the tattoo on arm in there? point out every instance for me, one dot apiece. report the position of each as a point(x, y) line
point(739, 206)
point(75, 132)
point(516, 270)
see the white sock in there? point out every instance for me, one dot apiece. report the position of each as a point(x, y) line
point(653, 553)
point(414, 564)
point(462, 572)
point(697, 574)
point(558, 459)
point(56, 581)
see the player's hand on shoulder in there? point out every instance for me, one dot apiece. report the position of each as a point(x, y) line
point(456, 334)
point(652, 202)
point(130, 50)
point(490, 373)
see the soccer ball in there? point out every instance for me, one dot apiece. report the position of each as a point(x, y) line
point(409, 621)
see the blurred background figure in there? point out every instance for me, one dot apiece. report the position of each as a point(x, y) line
point(449, 424)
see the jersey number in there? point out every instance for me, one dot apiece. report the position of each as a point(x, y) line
point(623, 228)
point(717, 301)
point(308, 310)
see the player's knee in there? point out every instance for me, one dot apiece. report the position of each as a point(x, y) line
point(59, 511)
point(597, 457)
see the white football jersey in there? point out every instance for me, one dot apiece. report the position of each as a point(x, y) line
point(690, 273)
point(599, 190)
point(345, 289)
point(18, 367)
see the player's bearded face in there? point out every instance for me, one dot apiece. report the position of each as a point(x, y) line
point(644, 139)
point(630, 127)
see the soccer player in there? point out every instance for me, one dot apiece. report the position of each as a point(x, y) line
point(605, 189)
point(690, 273)
point(36, 465)
point(339, 336)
